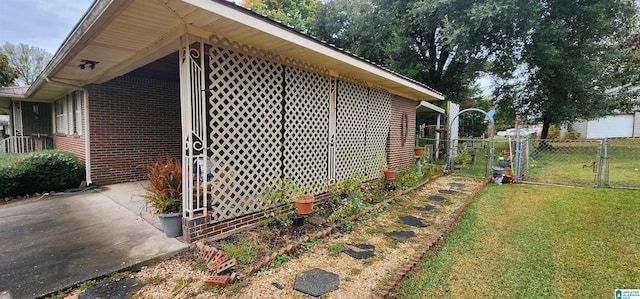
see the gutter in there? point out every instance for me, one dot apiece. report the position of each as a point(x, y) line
point(87, 145)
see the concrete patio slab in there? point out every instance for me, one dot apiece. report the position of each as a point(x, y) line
point(58, 241)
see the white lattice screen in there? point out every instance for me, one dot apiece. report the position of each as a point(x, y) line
point(362, 125)
point(306, 128)
point(246, 99)
point(379, 115)
point(266, 117)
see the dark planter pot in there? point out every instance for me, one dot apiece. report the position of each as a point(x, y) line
point(171, 224)
point(297, 220)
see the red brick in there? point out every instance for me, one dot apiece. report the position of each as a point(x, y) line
point(217, 281)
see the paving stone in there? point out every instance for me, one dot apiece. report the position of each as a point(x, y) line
point(413, 221)
point(363, 246)
point(447, 191)
point(456, 185)
point(359, 255)
point(113, 289)
point(437, 198)
point(426, 208)
point(401, 234)
point(316, 282)
point(359, 251)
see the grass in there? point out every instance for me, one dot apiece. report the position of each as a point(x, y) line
point(523, 241)
point(6, 159)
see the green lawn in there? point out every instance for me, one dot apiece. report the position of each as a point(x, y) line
point(525, 241)
point(6, 159)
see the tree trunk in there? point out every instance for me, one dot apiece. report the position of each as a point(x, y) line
point(545, 129)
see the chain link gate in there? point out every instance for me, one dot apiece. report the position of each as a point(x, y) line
point(621, 159)
point(558, 162)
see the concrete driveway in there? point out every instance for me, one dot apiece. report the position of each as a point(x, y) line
point(61, 240)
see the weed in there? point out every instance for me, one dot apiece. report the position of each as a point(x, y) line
point(280, 260)
point(336, 248)
point(156, 280)
point(245, 251)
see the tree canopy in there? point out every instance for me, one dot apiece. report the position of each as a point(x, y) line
point(295, 13)
point(28, 61)
point(554, 61)
point(7, 73)
point(565, 66)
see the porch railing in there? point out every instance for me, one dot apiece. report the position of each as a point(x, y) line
point(23, 144)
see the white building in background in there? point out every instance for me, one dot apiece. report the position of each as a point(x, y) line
point(618, 125)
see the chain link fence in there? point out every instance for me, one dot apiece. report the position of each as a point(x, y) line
point(610, 162)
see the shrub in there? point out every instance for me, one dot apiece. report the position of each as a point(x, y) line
point(554, 132)
point(49, 170)
point(164, 190)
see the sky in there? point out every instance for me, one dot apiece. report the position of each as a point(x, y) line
point(47, 23)
point(41, 23)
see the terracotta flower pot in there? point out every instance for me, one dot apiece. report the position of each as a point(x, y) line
point(418, 151)
point(389, 174)
point(304, 204)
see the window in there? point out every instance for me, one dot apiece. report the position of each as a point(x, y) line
point(68, 114)
point(77, 104)
point(61, 117)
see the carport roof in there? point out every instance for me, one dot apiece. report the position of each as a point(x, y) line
point(123, 35)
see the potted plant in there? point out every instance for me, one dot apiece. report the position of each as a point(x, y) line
point(389, 174)
point(164, 194)
point(418, 151)
point(281, 197)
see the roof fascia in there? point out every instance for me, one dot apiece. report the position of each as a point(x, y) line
point(306, 42)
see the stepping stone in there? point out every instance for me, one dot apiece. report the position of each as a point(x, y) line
point(447, 191)
point(362, 246)
point(113, 289)
point(401, 234)
point(425, 208)
point(316, 282)
point(413, 221)
point(437, 198)
point(457, 185)
point(364, 251)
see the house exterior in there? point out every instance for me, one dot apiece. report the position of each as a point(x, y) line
point(239, 98)
point(612, 126)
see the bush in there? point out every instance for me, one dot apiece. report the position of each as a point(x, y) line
point(43, 171)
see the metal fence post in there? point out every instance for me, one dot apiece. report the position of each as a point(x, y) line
point(518, 161)
point(598, 171)
point(605, 161)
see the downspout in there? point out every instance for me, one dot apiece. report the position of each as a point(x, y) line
point(87, 145)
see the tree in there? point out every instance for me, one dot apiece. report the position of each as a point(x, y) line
point(444, 44)
point(566, 62)
point(7, 73)
point(295, 13)
point(29, 61)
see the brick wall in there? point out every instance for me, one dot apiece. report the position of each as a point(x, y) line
point(401, 154)
point(71, 143)
point(133, 121)
point(201, 228)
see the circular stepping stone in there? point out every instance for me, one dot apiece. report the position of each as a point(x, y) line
point(447, 191)
point(425, 208)
point(113, 289)
point(457, 185)
point(401, 234)
point(316, 282)
point(413, 221)
point(437, 198)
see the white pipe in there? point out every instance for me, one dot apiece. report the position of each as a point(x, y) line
point(87, 145)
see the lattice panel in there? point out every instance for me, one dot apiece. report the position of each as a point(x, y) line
point(306, 128)
point(351, 129)
point(379, 115)
point(245, 129)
